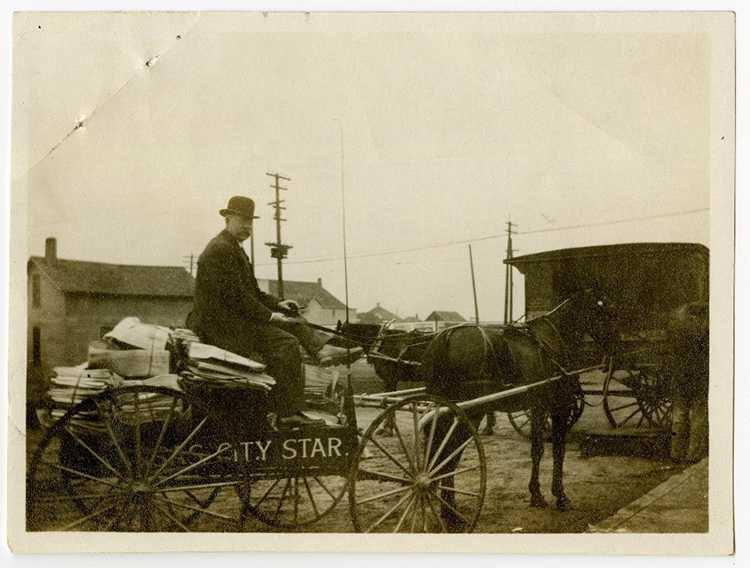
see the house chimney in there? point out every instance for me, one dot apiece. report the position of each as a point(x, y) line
point(50, 250)
point(320, 282)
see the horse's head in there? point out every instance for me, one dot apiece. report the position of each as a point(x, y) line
point(357, 335)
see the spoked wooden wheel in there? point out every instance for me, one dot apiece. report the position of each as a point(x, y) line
point(521, 419)
point(290, 502)
point(135, 459)
point(430, 477)
point(638, 398)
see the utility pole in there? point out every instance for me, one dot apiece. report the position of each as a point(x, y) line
point(474, 286)
point(508, 313)
point(189, 260)
point(278, 250)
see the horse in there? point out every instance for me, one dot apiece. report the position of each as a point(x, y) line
point(469, 361)
point(403, 351)
point(687, 372)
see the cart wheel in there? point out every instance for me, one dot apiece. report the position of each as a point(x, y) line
point(429, 477)
point(291, 502)
point(638, 398)
point(135, 459)
point(521, 419)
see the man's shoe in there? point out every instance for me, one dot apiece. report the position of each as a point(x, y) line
point(299, 420)
point(331, 355)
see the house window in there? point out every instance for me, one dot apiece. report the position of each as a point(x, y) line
point(36, 291)
point(333, 313)
point(36, 350)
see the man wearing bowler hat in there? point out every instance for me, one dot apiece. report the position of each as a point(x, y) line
point(231, 312)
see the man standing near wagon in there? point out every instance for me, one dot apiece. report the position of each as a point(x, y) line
point(231, 312)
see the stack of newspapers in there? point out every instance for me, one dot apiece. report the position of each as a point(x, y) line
point(71, 385)
point(210, 364)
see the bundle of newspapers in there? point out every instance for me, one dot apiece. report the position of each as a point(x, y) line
point(213, 366)
point(70, 386)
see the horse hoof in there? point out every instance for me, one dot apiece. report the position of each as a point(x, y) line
point(564, 505)
point(538, 503)
point(384, 433)
point(487, 432)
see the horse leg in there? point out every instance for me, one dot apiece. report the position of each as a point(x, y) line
point(559, 433)
point(491, 423)
point(448, 508)
point(391, 384)
point(537, 451)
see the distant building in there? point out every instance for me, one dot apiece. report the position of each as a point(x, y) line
point(412, 319)
point(378, 315)
point(318, 305)
point(71, 303)
point(445, 316)
point(444, 319)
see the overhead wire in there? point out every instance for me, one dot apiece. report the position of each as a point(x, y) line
point(491, 237)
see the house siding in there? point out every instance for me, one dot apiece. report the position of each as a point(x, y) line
point(320, 315)
point(49, 317)
point(68, 322)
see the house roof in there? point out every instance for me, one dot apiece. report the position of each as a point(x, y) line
point(304, 292)
point(80, 277)
point(445, 316)
point(378, 315)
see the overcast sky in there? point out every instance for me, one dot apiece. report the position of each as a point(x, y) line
point(451, 126)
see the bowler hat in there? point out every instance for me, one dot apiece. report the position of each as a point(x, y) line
point(240, 205)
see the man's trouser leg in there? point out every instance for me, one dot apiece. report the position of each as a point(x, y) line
point(311, 339)
point(280, 351)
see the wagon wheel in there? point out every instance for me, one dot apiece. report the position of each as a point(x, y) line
point(134, 459)
point(521, 419)
point(426, 478)
point(295, 501)
point(638, 398)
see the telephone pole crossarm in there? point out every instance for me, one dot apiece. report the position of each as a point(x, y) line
point(279, 250)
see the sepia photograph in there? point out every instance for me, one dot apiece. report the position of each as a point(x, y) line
point(438, 282)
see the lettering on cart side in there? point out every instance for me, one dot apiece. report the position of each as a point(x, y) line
point(310, 448)
point(292, 453)
point(260, 445)
point(333, 446)
point(318, 448)
point(224, 447)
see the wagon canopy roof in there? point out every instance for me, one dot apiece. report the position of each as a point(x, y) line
point(609, 251)
point(80, 277)
point(644, 280)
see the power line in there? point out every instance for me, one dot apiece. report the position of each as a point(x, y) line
point(490, 237)
point(617, 222)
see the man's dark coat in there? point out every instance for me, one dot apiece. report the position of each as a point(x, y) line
point(228, 301)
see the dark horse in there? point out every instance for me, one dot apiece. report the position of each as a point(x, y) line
point(469, 361)
point(400, 349)
point(687, 368)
